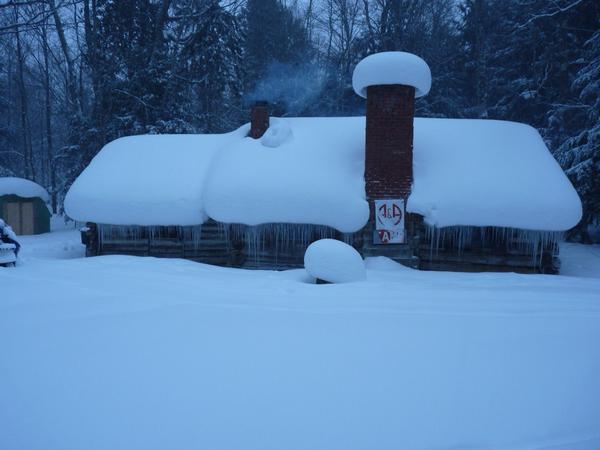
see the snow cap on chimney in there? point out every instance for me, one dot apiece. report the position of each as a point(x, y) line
point(388, 68)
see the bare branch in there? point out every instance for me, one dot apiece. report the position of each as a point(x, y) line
point(556, 11)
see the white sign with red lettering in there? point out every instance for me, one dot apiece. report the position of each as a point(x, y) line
point(389, 221)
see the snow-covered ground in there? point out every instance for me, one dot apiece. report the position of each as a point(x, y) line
point(140, 353)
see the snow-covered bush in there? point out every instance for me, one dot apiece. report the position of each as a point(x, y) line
point(334, 261)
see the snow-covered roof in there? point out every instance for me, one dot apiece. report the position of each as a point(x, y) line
point(147, 180)
point(489, 173)
point(392, 68)
point(22, 187)
point(315, 175)
point(310, 170)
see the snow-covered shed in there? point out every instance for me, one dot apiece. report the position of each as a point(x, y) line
point(23, 206)
point(431, 193)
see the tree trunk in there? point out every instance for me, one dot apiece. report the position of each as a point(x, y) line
point(24, 112)
point(48, 124)
point(74, 105)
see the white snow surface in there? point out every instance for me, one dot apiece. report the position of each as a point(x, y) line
point(392, 68)
point(118, 352)
point(278, 133)
point(315, 177)
point(334, 261)
point(23, 188)
point(147, 180)
point(311, 170)
point(489, 173)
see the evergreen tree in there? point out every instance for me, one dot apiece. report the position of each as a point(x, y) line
point(212, 51)
point(479, 27)
point(579, 154)
point(273, 35)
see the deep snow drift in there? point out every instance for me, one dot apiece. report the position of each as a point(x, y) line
point(141, 353)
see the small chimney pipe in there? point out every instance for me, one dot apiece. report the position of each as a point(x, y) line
point(259, 119)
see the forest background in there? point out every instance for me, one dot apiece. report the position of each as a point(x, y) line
point(76, 74)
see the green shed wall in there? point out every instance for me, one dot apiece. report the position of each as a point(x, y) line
point(41, 214)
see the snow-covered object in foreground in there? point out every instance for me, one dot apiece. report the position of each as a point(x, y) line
point(334, 261)
point(147, 180)
point(489, 173)
point(392, 68)
point(314, 178)
point(7, 230)
point(23, 188)
point(7, 253)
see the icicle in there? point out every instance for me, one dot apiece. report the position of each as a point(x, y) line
point(461, 238)
point(191, 234)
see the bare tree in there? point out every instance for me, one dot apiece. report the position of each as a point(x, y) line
point(23, 103)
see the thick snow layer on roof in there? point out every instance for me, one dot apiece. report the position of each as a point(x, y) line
point(314, 176)
point(310, 170)
point(146, 180)
point(22, 188)
point(392, 68)
point(489, 173)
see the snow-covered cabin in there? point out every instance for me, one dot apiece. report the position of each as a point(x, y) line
point(431, 193)
point(23, 206)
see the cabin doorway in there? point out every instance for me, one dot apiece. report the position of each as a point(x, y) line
point(20, 217)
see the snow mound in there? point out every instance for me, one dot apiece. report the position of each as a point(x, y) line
point(315, 178)
point(392, 68)
point(23, 188)
point(278, 133)
point(489, 173)
point(147, 180)
point(334, 261)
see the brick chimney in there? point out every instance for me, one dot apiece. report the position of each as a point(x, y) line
point(390, 81)
point(259, 119)
point(389, 141)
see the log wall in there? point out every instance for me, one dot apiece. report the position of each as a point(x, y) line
point(282, 246)
point(270, 246)
point(487, 249)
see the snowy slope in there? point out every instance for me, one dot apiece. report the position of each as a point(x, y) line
point(141, 353)
point(310, 170)
point(22, 188)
